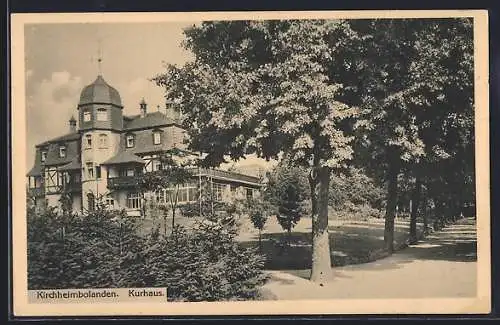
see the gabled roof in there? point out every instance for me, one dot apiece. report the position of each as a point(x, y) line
point(149, 121)
point(67, 137)
point(124, 157)
point(37, 170)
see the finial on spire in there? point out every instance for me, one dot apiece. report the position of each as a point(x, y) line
point(99, 57)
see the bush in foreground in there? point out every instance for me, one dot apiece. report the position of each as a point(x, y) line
point(103, 250)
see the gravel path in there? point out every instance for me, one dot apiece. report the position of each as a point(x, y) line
point(443, 265)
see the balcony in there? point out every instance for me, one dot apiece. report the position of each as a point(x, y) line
point(122, 182)
point(73, 187)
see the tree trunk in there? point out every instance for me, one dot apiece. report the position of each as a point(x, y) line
point(173, 219)
point(260, 241)
point(173, 206)
point(165, 223)
point(392, 196)
point(414, 211)
point(321, 268)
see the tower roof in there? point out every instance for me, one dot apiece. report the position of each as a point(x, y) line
point(100, 92)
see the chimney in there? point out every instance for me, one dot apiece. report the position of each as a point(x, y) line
point(72, 125)
point(143, 107)
point(171, 111)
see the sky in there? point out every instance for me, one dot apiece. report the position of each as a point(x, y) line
point(60, 59)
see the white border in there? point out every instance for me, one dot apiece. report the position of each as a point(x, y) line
point(480, 304)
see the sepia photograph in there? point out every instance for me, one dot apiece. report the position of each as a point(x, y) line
point(252, 164)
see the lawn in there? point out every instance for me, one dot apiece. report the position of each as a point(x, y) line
point(351, 241)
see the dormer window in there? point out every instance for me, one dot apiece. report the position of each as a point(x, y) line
point(62, 151)
point(130, 141)
point(44, 156)
point(86, 116)
point(102, 115)
point(156, 137)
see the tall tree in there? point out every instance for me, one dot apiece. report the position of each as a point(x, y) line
point(262, 87)
point(406, 77)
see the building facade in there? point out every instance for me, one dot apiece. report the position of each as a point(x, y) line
point(105, 151)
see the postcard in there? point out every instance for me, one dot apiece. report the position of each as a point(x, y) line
point(250, 163)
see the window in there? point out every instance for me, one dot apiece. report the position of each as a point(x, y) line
point(88, 140)
point(193, 194)
point(44, 156)
point(91, 201)
point(130, 172)
point(98, 172)
point(86, 116)
point(182, 196)
point(156, 165)
point(156, 137)
point(133, 200)
point(130, 141)
point(169, 194)
point(110, 202)
point(102, 115)
point(62, 151)
point(160, 196)
point(249, 193)
point(60, 178)
point(218, 191)
point(90, 170)
point(103, 141)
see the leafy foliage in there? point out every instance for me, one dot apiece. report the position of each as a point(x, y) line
point(412, 80)
point(261, 87)
point(355, 188)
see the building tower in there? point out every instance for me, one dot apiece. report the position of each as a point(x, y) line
point(100, 120)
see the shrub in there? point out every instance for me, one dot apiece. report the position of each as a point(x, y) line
point(354, 187)
point(287, 191)
point(69, 251)
point(204, 264)
point(102, 249)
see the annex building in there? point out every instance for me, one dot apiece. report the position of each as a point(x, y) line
point(105, 151)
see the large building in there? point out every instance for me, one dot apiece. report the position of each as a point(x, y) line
point(105, 151)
